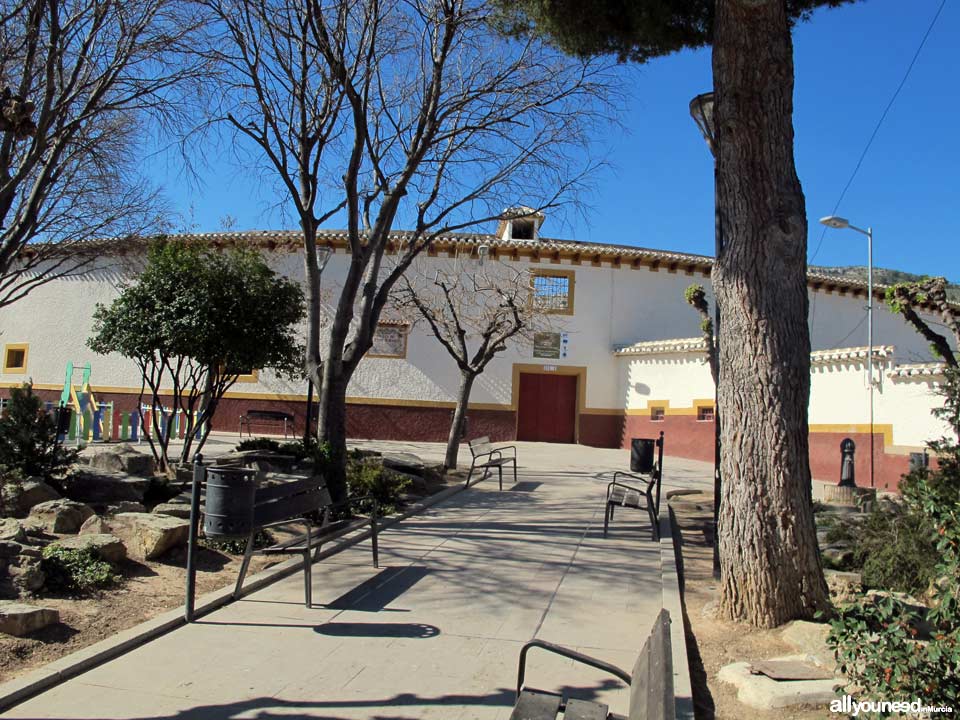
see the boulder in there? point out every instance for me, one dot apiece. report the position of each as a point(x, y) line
point(11, 529)
point(104, 546)
point(764, 693)
point(173, 509)
point(20, 619)
point(914, 612)
point(60, 516)
point(32, 491)
point(845, 587)
point(93, 525)
point(837, 556)
point(148, 536)
point(26, 575)
point(102, 486)
point(810, 638)
point(124, 458)
point(404, 462)
point(122, 507)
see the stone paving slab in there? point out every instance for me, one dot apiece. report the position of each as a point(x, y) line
point(435, 632)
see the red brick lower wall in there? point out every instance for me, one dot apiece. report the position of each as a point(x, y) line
point(684, 435)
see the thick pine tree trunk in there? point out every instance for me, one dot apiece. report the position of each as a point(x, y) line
point(459, 415)
point(771, 570)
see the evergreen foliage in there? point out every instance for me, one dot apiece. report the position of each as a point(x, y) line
point(632, 30)
point(193, 321)
point(28, 438)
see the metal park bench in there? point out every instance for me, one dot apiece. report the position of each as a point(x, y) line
point(236, 506)
point(485, 456)
point(625, 495)
point(294, 501)
point(651, 683)
point(269, 419)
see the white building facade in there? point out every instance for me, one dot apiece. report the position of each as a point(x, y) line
point(625, 360)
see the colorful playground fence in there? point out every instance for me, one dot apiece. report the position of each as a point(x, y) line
point(101, 422)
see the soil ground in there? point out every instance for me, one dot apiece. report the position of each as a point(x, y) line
point(713, 643)
point(148, 589)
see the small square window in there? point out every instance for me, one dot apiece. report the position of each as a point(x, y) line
point(705, 413)
point(552, 291)
point(657, 414)
point(390, 341)
point(15, 358)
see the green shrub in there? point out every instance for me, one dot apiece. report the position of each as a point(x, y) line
point(876, 644)
point(258, 443)
point(262, 539)
point(892, 547)
point(28, 438)
point(76, 570)
point(367, 476)
point(11, 482)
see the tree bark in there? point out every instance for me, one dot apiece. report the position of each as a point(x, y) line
point(459, 417)
point(771, 569)
point(333, 412)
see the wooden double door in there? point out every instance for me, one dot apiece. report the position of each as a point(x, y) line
point(547, 408)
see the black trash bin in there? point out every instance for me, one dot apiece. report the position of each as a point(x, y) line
point(229, 506)
point(642, 455)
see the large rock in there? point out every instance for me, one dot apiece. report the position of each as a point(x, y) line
point(810, 638)
point(93, 525)
point(148, 536)
point(764, 693)
point(23, 573)
point(20, 619)
point(106, 547)
point(60, 516)
point(21, 498)
point(173, 509)
point(845, 587)
point(124, 458)
point(11, 529)
point(107, 486)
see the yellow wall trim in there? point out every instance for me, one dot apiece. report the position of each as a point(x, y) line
point(884, 429)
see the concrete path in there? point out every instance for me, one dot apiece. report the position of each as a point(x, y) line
point(434, 633)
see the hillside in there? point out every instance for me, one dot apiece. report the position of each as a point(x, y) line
point(881, 276)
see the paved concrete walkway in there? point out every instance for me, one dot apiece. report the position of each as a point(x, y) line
point(434, 633)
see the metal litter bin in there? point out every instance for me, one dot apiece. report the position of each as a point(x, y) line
point(642, 455)
point(230, 499)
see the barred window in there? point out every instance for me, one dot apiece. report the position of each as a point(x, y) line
point(705, 413)
point(657, 414)
point(553, 291)
point(390, 341)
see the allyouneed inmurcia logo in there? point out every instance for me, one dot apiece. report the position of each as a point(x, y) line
point(853, 708)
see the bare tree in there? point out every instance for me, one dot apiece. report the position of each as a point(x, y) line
point(907, 298)
point(376, 113)
point(84, 81)
point(475, 313)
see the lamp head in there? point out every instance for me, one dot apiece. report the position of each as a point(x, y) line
point(702, 112)
point(833, 221)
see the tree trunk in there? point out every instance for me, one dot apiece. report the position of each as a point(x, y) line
point(771, 570)
point(459, 417)
point(333, 409)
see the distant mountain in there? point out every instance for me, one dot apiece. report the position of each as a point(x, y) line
point(881, 276)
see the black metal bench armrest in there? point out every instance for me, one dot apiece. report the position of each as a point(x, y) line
point(567, 653)
point(617, 483)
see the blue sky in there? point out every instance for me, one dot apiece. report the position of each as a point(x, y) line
point(659, 190)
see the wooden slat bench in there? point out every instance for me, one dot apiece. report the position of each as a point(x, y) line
point(269, 419)
point(486, 456)
point(292, 501)
point(650, 683)
point(633, 497)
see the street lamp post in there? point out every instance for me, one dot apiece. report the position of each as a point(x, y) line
point(702, 111)
point(323, 257)
point(839, 223)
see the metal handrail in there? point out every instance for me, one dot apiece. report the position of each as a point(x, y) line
point(570, 654)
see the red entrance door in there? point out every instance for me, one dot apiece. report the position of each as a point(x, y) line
point(548, 408)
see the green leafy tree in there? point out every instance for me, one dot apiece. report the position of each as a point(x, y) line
point(910, 298)
point(878, 644)
point(770, 565)
point(28, 438)
point(193, 321)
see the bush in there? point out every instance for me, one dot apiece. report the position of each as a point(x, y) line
point(28, 438)
point(237, 547)
point(258, 443)
point(76, 570)
point(11, 482)
point(876, 644)
point(367, 476)
point(892, 548)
